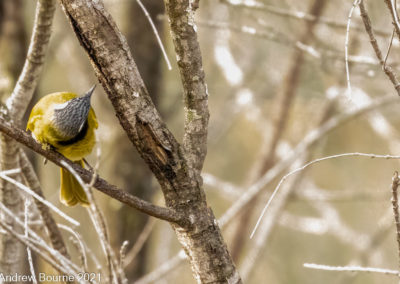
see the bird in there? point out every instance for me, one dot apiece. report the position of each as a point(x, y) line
point(66, 122)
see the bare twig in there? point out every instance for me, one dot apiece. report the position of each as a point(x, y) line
point(393, 12)
point(309, 140)
point(155, 33)
point(388, 50)
point(122, 253)
point(102, 185)
point(386, 68)
point(177, 168)
point(97, 218)
point(79, 241)
point(351, 268)
point(312, 163)
point(162, 270)
point(395, 204)
point(22, 239)
point(284, 39)
point(299, 15)
point(258, 244)
point(28, 249)
point(41, 199)
point(346, 46)
point(33, 183)
point(53, 256)
point(142, 238)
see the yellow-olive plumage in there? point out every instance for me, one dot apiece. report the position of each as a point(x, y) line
point(50, 130)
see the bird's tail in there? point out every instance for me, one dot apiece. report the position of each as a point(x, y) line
point(71, 191)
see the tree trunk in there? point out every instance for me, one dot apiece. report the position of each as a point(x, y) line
point(175, 169)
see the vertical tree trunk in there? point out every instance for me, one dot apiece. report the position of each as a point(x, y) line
point(12, 50)
point(176, 168)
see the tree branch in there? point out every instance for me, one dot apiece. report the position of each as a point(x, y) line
point(101, 184)
point(393, 12)
point(18, 102)
point(184, 36)
point(368, 28)
point(34, 184)
point(176, 170)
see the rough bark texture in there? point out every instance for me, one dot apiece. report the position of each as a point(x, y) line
point(146, 207)
point(12, 49)
point(138, 181)
point(11, 250)
point(180, 182)
point(184, 35)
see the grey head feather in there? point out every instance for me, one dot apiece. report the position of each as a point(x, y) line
point(70, 118)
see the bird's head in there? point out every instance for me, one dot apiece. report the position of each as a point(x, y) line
point(71, 117)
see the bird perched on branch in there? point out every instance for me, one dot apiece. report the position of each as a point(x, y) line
point(67, 123)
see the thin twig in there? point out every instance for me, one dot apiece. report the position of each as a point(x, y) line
point(299, 15)
point(54, 256)
point(309, 140)
point(386, 68)
point(355, 154)
point(350, 268)
point(28, 249)
point(100, 227)
point(79, 240)
point(393, 12)
point(22, 239)
point(284, 39)
point(163, 269)
point(140, 241)
point(101, 184)
point(44, 201)
point(346, 47)
point(33, 183)
point(395, 204)
point(122, 253)
point(388, 50)
point(155, 33)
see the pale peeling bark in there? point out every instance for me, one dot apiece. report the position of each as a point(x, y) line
point(179, 178)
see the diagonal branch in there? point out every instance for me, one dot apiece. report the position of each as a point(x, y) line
point(51, 225)
point(101, 184)
point(393, 12)
point(368, 28)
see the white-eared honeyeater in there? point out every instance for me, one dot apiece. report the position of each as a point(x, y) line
point(67, 123)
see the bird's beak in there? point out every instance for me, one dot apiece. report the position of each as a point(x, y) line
point(90, 92)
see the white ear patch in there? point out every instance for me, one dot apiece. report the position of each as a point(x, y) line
point(60, 106)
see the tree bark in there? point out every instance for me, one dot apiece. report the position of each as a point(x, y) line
point(177, 174)
point(138, 180)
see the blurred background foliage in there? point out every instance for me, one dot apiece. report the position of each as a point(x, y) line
point(338, 211)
